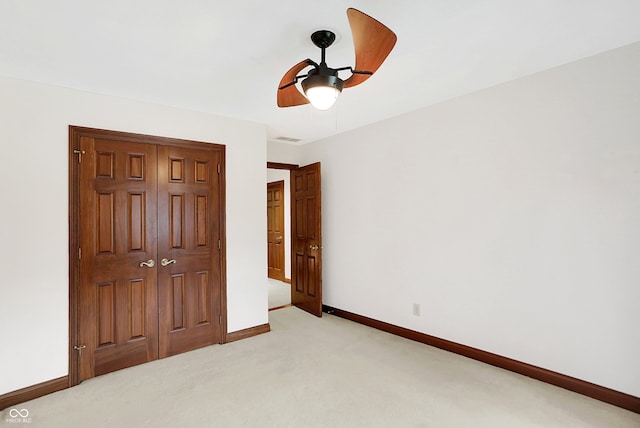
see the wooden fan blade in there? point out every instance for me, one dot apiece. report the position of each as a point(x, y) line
point(291, 96)
point(372, 42)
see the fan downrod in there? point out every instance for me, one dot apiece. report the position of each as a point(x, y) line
point(323, 38)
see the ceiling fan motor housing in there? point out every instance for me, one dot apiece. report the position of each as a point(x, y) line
point(322, 79)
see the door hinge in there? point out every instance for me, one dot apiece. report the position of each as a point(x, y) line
point(79, 253)
point(218, 168)
point(79, 153)
point(219, 245)
point(79, 348)
point(220, 319)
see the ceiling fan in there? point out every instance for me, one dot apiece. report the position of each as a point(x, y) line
point(372, 41)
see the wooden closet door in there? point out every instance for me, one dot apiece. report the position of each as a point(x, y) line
point(189, 277)
point(118, 301)
point(146, 249)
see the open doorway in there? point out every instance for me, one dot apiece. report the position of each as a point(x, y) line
point(305, 210)
point(279, 237)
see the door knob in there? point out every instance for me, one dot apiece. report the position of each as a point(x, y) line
point(149, 263)
point(314, 247)
point(166, 262)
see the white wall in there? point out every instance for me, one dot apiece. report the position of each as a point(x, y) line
point(284, 175)
point(512, 216)
point(34, 121)
point(283, 152)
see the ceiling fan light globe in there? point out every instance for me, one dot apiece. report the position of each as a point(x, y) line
point(322, 90)
point(322, 97)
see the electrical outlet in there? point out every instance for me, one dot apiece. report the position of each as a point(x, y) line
point(416, 309)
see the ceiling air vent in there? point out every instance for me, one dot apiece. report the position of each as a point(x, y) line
point(289, 139)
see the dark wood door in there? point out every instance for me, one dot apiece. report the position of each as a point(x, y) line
point(189, 277)
point(275, 230)
point(146, 249)
point(306, 272)
point(118, 313)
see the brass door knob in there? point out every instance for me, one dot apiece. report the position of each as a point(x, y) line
point(149, 263)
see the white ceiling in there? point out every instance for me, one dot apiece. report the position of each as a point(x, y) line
point(227, 57)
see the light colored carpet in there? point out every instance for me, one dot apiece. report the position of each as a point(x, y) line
point(311, 372)
point(279, 293)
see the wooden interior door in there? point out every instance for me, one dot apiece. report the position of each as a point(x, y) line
point(118, 301)
point(306, 228)
point(189, 277)
point(275, 229)
point(146, 245)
